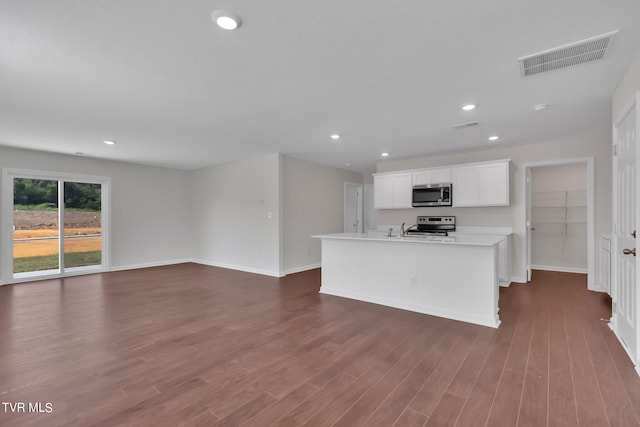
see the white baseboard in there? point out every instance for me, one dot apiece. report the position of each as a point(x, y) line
point(150, 264)
point(559, 269)
point(518, 279)
point(239, 268)
point(302, 268)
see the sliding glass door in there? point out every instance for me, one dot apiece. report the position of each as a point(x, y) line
point(82, 225)
point(57, 224)
point(36, 231)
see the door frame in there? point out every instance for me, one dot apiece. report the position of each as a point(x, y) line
point(360, 206)
point(591, 252)
point(6, 236)
point(615, 250)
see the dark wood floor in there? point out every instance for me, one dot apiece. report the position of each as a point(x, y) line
point(194, 345)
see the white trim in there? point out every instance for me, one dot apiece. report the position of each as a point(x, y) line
point(302, 268)
point(26, 277)
point(559, 269)
point(151, 264)
point(591, 228)
point(518, 279)
point(418, 308)
point(239, 268)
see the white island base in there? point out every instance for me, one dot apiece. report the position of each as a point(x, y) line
point(455, 278)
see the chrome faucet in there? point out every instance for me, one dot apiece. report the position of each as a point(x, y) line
point(390, 231)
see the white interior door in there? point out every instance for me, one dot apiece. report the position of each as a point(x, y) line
point(625, 223)
point(353, 208)
point(369, 210)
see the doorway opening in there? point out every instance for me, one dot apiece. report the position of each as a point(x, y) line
point(56, 225)
point(560, 226)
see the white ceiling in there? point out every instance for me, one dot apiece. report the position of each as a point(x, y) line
point(389, 75)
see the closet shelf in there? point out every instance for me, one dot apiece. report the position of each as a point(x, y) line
point(559, 207)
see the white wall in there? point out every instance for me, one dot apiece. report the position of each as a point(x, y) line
point(149, 205)
point(235, 213)
point(313, 204)
point(559, 178)
point(596, 146)
point(627, 88)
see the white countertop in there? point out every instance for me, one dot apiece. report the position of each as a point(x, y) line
point(466, 240)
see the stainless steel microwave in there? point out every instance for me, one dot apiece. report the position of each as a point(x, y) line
point(431, 195)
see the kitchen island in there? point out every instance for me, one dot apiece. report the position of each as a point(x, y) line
point(452, 277)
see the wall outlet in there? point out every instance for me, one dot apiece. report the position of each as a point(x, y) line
point(269, 215)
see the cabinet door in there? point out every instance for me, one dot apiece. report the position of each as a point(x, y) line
point(493, 184)
point(383, 192)
point(439, 176)
point(402, 190)
point(465, 186)
point(422, 177)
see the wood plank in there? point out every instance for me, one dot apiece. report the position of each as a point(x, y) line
point(534, 407)
point(591, 411)
point(175, 345)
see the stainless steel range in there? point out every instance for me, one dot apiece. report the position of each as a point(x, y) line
point(432, 226)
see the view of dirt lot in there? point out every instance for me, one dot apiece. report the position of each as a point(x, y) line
point(34, 224)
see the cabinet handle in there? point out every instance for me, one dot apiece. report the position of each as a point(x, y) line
point(634, 234)
point(629, 251)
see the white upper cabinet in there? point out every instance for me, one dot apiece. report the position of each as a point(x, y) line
point(484, 184)
point(440, 176)
point(493, 184)
point(392, 191)
point(432, 176)
point(474, 184)
point(465, 186)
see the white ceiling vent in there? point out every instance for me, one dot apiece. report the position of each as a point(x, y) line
point(569, 55)
point(465, 125)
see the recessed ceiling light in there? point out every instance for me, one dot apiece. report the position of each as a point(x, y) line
point(493, 138)
point(384, 154)
point(540, 107)
point(468, 107)
point(226, 20)
point(109, 142)
point(335, 136)
point(347, 164)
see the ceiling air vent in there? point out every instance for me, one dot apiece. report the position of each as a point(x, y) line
point(465, 125)
point(569, 55)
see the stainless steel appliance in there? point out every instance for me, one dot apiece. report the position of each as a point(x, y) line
point(432, 226)
point(431, 195)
